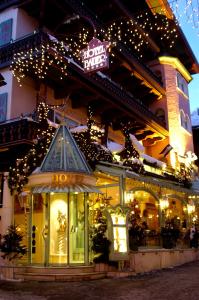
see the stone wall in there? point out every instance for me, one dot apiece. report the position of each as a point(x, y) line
point(149, 260)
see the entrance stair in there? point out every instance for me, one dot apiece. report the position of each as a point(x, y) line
point(36, 273)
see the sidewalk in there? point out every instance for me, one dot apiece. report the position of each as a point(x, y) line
point(180, 283)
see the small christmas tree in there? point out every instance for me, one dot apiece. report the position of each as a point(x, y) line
point(100, 243)
point(11, 244)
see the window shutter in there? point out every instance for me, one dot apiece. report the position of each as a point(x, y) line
point(3, 106)
point(5, 32)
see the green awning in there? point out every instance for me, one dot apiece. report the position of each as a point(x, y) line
point(65, 189)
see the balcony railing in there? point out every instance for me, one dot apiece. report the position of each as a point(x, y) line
point(32, 40)
point(99, 80)
point(17, 131)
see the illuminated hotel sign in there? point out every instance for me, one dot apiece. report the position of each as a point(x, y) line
point(95, 57)
point(60, 178)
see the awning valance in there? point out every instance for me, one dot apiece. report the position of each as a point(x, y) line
point(65, 189)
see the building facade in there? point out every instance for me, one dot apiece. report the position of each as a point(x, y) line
point(95, 128)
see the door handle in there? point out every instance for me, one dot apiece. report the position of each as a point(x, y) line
point(45, 232)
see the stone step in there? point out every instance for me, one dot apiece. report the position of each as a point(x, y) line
point(60, 277)
point(121, 274)
point(55, 270)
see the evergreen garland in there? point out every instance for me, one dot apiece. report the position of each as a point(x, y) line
point(129, 151)
point(89, 145)
point(18, 174)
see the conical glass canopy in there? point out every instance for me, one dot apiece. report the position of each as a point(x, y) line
point(64, 154)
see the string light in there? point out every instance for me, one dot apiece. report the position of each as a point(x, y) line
point(39, 59)
point(18, 174)
point(131, 32)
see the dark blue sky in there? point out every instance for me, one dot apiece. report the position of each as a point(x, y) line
point(192, 35)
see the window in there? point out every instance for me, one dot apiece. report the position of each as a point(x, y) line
point(182, 118)
point(185, 121)
point(5, 32)
point(160, 113)
point(182, 84)
point(57, 117)
point(3, 107)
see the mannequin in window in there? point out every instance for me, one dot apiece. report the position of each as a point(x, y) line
point(61, 232)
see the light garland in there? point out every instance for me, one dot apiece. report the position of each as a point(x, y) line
point(38, 60)
point(133, 33)
point(18, 174)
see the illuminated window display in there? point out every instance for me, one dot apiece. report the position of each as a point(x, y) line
point(119, 232)
point(144, 217)
point(76, 228)
point(109, 186)
point(57, 228)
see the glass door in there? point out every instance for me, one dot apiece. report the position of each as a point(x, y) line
point(58, 230)
point(39, 230)
point(77, 228)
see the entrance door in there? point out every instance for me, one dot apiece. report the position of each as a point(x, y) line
point(77, 228)
point(58, 229)
point(58, 224)
point(39, 230)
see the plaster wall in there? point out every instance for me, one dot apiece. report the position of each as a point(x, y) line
point(6, 212)
point(23, 98)
point(7, 88)
point(149, 260)
point(10, 13)
point(24, 24)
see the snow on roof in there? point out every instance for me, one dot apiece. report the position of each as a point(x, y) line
point(78, 129)
point(114, 147)
point(151, 159)
point(138, 146)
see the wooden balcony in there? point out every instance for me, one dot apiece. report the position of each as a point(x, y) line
point(17, 131)
point(101, 85)
point(24, 44)
point(16, 137)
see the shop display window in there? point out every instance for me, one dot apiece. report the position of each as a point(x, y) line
point(119, 232)
point(144, 219)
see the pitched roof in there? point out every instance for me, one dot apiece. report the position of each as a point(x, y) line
point(64, 154)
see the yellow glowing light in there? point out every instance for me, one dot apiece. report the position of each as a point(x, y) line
point(118, 219)
point(168, 60)
point(173, 159)
point(120, 240)
point(129, 197)
point(117, 157)
point(164, 203)
point(190, 208)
